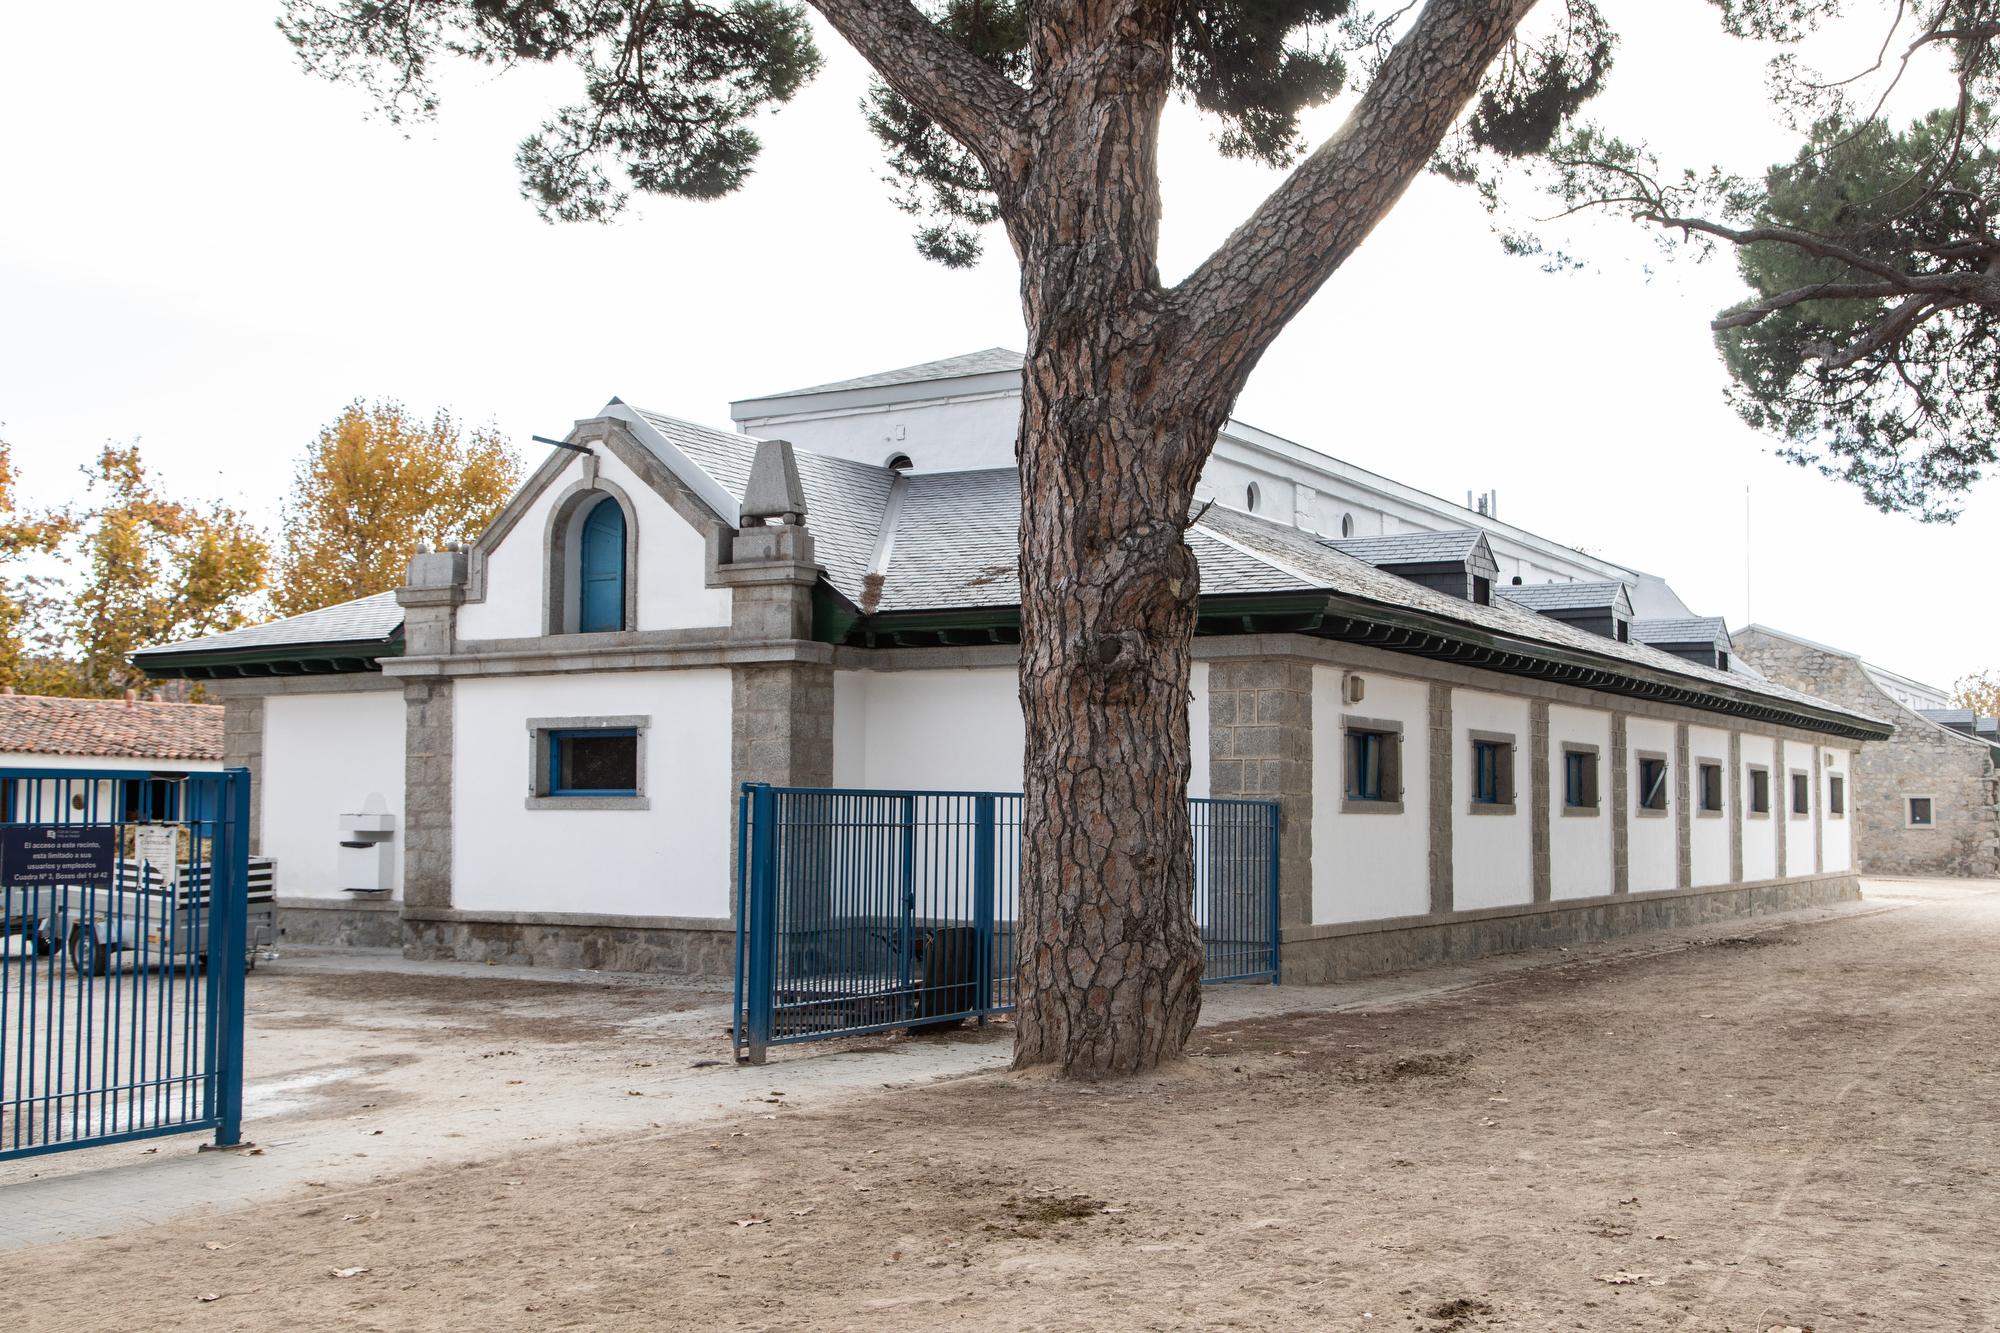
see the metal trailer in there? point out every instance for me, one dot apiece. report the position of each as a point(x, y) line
point(142, 916)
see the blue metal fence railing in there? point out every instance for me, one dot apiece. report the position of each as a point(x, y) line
point(122, 947)
point(861, 911)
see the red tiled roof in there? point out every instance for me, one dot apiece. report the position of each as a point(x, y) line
point(36, 724)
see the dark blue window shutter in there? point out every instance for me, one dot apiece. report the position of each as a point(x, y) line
point(602, 582)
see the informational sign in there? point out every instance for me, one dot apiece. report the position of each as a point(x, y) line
point(159, 846)
point(42, 855)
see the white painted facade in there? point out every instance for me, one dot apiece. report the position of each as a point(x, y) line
point(669, 558)
point(1369, 866)
point(954, 730)
point(325, 755)
point(1708, 830)
point(1580, 864)
point(1760, 830)
point(669, 859)
point(1837, 827)
point(1491, 853)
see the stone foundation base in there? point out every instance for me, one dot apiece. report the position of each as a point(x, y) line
point(684, 946)
point(1313, 955)
point(357, 923)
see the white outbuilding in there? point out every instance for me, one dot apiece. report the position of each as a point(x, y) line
point(554, 724)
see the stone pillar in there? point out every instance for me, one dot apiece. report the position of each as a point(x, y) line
point(1538, 797)
point(1781, 801)
point(427, 768)
point(1260, 727)
point(781, 710)
point(1683, 812)
point(1818, 810)
point(243, 747)
point(1621, 853)
point(1735, 807)
point(430, 602)
point(1442, 804)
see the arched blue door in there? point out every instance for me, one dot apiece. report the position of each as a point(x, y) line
point(602, 582)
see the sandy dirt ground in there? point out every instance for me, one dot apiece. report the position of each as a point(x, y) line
point(1789, 1129)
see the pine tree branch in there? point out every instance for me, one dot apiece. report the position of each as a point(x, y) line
point(1231, 307)
point(971, 100)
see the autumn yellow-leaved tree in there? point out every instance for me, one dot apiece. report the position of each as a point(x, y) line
point(1980, 692)
point(377, 484)
point(153, 570)
point(24, 599)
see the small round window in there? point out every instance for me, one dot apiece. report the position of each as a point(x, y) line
point(1347, 525)
point(1250, 497)
point(900, 463)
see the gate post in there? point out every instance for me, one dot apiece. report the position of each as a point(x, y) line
point(1272, 898)
point(762, 917)
point(982, 897)
point(229, 886)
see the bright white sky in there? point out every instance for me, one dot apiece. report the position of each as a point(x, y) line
point(205, 250)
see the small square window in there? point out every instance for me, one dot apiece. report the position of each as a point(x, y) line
point(1374, 765)
point(1836, 795)
point(1487, 759)
point(1760, 791)
point(1921, 813)
point(1801, 794)
point(1652, 783)
point(1711, 789)
point(599, 762)
point(1579, 780)
point(1492, 773)
point(587, 763)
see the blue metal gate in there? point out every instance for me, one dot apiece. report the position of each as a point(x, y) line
point(122, 906)
point(861, 911)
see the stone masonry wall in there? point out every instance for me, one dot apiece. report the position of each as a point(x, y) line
point(1921, 759)
point(1260, 748)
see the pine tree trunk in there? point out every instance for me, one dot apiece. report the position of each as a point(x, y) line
point(1109, 960)
point(1110, 963)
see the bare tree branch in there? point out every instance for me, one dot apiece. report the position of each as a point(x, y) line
point(1228, 310)
point(939, 77)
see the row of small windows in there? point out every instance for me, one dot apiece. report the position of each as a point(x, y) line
point(1374, 772)
point(1253, 498)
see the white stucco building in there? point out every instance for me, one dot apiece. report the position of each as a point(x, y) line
point(559, 718)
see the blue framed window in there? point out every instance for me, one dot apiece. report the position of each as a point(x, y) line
point(601, 569)
point(1579, 780)
point(601, 761)
point(1486, 773)
point(1367, 761)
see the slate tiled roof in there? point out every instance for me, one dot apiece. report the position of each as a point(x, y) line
point(1690, 629)
point(956, 541)
point(110, 728)
point(947, 542)
point(1338, 572)
point(1600, 595)
point(1414, 548)
point(987, 362)
point(365, 620)
point(844, 499)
